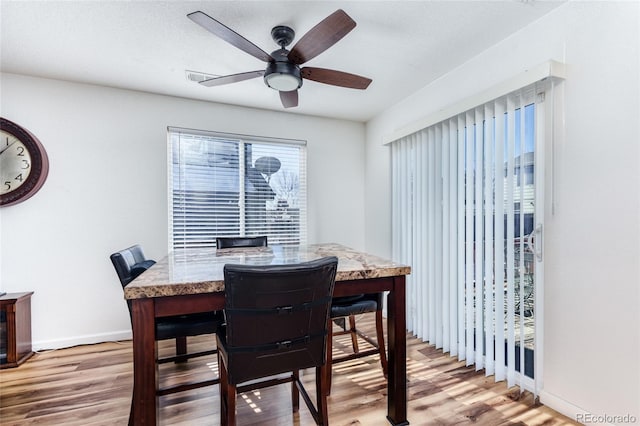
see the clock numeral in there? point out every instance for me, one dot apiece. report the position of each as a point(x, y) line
point(25, 164)
point(7, 184)
point(19, 177)
point(20, 151)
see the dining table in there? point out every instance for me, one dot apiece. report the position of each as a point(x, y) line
point(191, 280)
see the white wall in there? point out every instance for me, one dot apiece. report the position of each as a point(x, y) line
point(107, 190)
point(592, 242)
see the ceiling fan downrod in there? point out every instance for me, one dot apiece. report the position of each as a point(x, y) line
point(282, 35)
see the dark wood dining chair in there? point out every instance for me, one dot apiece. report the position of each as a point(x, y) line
point(347, 307)
point(129, 263)
point(231, 242)
point(276, 322)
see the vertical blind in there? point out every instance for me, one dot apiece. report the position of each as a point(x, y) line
point(463, 203)
point(234, 185)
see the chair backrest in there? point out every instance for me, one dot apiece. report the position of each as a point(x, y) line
point(130, 263)
point(229, 242)
point(277, 317)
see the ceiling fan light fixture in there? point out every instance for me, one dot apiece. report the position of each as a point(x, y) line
point(283, 76)
point(282, 82)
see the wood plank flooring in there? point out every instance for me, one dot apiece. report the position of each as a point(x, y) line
point(91, 385)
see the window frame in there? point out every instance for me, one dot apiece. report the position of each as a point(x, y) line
point(299, 235)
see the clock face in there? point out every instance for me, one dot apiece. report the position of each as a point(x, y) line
point(24, 164)
point(15, 163)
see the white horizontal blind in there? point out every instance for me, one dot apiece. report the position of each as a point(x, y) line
point(462, 210)
point(235, 185)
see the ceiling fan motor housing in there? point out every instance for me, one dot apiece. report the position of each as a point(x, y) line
point(281, 74)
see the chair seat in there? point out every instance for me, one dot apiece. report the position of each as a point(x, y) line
point(188, 325)
point(343, 300)
point(353, 308)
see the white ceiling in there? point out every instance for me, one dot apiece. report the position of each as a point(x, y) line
point(148, 45)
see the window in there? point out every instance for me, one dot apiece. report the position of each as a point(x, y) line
point(235, 185)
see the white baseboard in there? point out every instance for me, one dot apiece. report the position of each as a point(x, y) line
point(562, 406)
point(582, 416)
point(89, 339)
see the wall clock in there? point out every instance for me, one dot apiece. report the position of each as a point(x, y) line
point(24, 164)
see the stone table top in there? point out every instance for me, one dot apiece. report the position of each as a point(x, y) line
point(200, 270)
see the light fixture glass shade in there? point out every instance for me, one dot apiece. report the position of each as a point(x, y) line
point(282, 82)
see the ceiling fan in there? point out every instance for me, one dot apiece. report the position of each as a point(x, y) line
point(283, 72)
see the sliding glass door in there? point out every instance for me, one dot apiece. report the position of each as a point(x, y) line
point(467, 215)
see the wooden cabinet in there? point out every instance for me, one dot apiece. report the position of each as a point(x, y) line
point(15, 329)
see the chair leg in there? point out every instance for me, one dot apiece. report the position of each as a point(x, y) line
point(381, 346)
point(295, 394)
point(231, 405)
point(322, 392)
point(222, 375)
point(181, 347)
point(354, 333)
point(230, 409)
point(328, 369)
point(227, 396)
point(354, 341)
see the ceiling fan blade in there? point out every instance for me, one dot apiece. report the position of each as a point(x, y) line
point(228, 35)
point(289, 99)
point(233, 78)
point(321, 37)
point(335, 78)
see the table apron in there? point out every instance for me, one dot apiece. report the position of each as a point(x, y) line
point(207, 302)
point(188, 304)
point(371, 285)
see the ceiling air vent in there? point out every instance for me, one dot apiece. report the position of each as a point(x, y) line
point(197, 76)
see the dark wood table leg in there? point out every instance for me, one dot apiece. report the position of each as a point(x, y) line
point(396, 329)
point(145, 370)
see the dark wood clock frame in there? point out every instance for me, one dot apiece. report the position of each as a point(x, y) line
point(39, 164)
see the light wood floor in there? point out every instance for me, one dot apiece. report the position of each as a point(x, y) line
point(91, 385)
